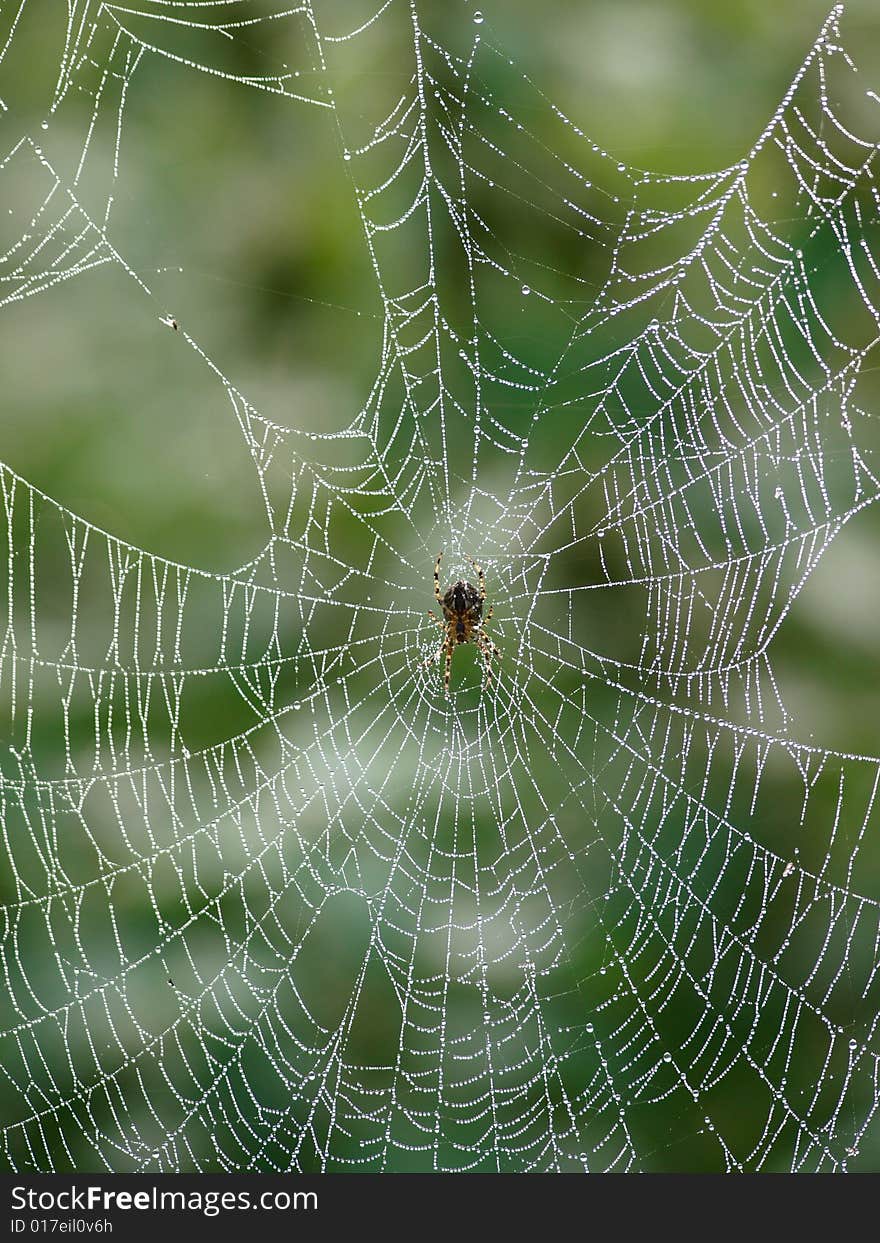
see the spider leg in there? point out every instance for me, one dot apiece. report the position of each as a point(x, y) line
point(486, 638)
point(486, 648)
point(437, 620)
point(437, 595)
point(481, 577)
point(433, 659)
point(448, 669)
point(488, 616)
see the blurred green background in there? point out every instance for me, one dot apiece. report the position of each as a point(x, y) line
point(235, 207)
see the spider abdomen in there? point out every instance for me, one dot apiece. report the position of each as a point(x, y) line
point(462, 602)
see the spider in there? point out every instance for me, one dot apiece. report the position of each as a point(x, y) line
point(463, 620)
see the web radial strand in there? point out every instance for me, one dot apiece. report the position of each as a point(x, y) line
point(272, 900)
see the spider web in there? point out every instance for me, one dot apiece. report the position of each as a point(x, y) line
point(611, 911)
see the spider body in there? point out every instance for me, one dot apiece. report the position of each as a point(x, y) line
point(463, 620)
point(462, 609)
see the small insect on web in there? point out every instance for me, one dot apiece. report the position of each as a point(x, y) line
point(463, 620)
